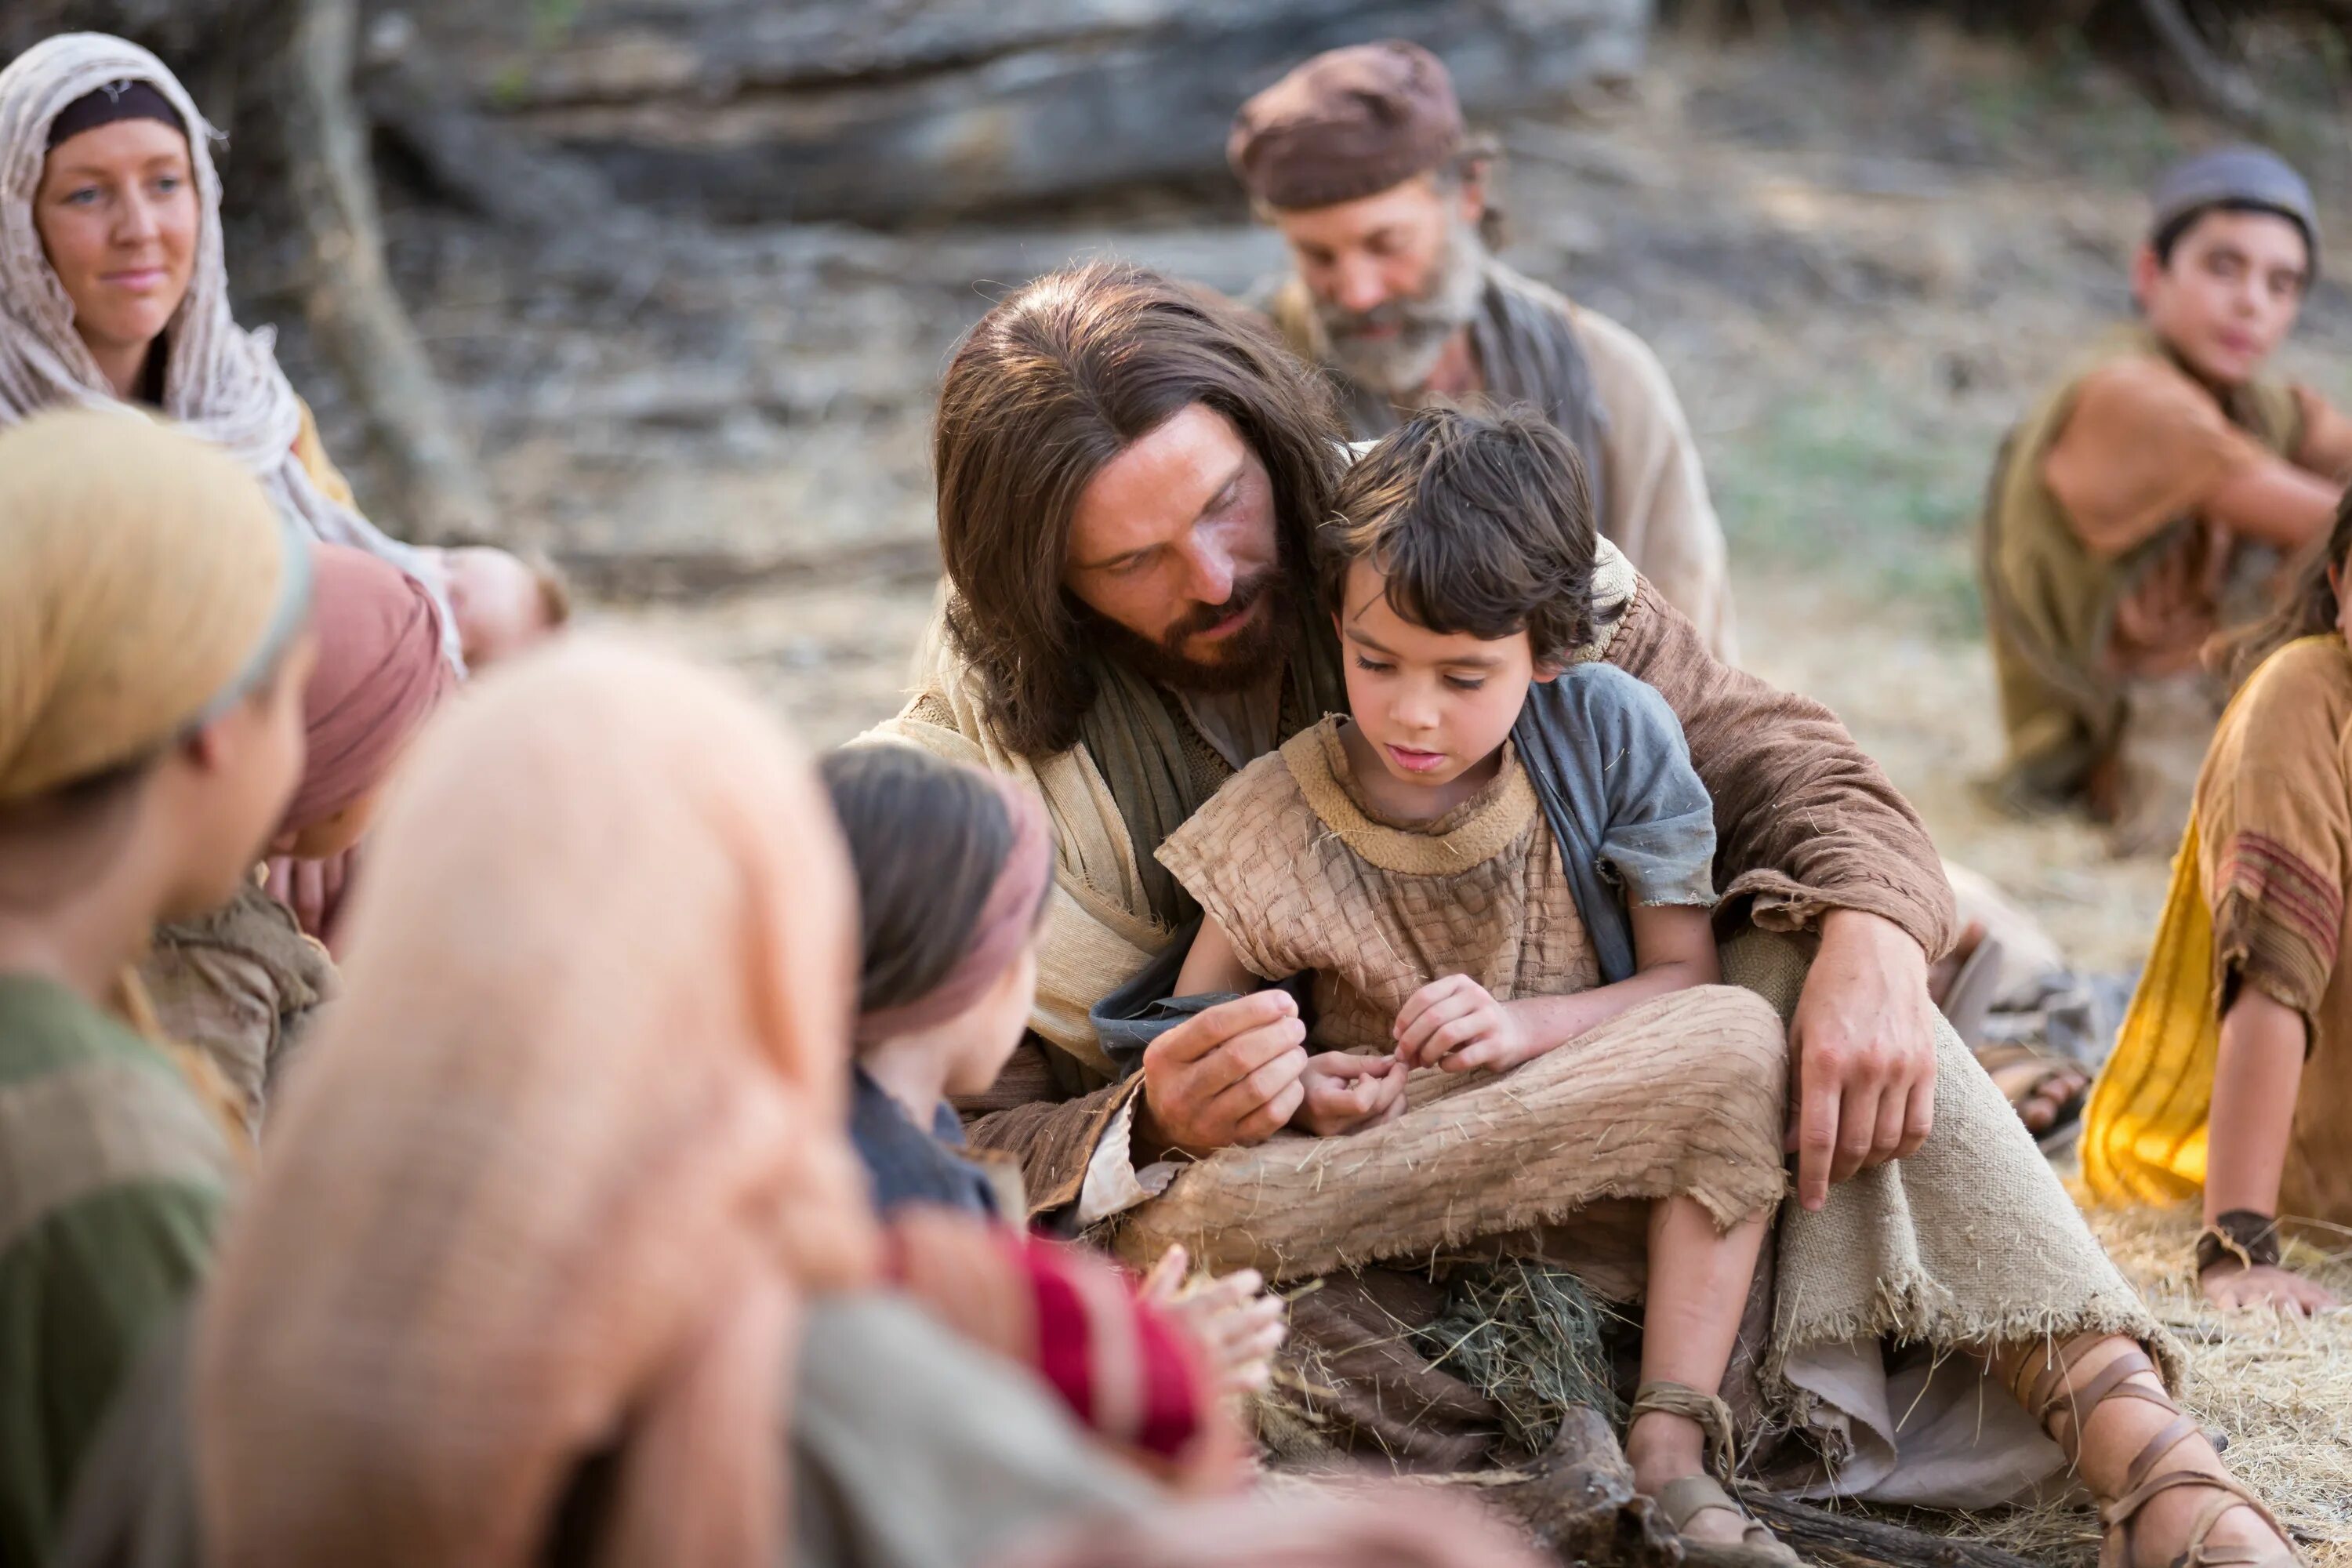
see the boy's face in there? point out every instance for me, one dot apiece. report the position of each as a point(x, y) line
point(2229, 294)
point(1434, 704)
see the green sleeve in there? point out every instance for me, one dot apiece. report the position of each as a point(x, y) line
point(79, 1292)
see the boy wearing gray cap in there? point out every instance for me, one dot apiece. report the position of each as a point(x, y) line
point(2148, 501)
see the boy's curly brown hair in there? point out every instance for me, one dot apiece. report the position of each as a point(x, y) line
point(1480, 522)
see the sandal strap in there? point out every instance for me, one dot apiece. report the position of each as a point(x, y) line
point(2052, 1395)
point(1663, 1397)
point(2235, 1494)
point(2036, 1381)
point(1681, 1500)
point(2178, 1431)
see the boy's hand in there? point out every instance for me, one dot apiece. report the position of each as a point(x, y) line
point(1348, 1093)
point(1454, 1025)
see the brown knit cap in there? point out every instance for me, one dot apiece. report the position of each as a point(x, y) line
point(1349, 123)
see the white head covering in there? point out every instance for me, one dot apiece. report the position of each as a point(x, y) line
point(220, 380)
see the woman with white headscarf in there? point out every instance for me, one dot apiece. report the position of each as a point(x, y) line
point(113, 291)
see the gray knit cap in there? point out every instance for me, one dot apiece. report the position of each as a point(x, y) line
point(2236, 176)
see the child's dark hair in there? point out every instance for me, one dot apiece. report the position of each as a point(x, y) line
point(2168, 235)
point(1480, 522)
point(927, 840)
point(2306, 609)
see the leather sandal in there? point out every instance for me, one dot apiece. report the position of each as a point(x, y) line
point(1685, 1500)
point(2048, 1396)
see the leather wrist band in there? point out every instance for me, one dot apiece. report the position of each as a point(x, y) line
point(2250, 1238)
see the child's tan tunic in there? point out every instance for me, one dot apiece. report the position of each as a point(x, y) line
point(1301, 875)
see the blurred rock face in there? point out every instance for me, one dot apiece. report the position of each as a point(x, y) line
point(744, 111)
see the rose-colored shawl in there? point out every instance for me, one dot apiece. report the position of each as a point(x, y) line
point(555, 1177)
point(379, 673)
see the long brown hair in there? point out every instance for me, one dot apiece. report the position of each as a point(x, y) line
point(2308, 609)
point(1063, 375)
point(927, 840)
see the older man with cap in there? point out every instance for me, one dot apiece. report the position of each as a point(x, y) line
point(1360, 158)
point(2145, 503)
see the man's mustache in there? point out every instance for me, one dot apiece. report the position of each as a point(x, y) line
point(1201, 618)
point(1390, 314)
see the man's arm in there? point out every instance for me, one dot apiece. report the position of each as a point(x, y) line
point(1045, 1121)
point(1224, 1076)
point(2276, 502)
point(2143, 447)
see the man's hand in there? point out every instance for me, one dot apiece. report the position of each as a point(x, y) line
point(1456, 1025)
point(1347, 1093)
point(1863, 1048)
point(1224, 1076)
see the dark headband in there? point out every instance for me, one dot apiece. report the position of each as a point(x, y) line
point(128, 100)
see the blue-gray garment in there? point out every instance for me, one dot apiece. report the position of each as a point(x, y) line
point(1609, 763)
point(909, 1165)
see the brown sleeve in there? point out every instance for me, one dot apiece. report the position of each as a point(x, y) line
point(1805, 821)
point(1032, 1114)
point(2327, 446)
point(2142, 447)
point(226, 1003)
point(2274, 829)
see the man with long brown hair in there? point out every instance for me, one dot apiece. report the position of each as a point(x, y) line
point(1128, 476)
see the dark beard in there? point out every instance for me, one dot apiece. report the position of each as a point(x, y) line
point(1250, 655)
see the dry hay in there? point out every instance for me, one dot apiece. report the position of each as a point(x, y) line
point(1527, 1336)
point(1531, 1339)
point(2280, 1389)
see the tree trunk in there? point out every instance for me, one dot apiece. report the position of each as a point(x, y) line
point(358, 323)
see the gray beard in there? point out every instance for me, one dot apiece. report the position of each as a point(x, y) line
point(1401, 365)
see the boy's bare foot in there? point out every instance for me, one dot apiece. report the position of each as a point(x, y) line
point(1236, 1323)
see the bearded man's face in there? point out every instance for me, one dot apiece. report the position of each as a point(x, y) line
point(1175, 551)
point(1394, 277)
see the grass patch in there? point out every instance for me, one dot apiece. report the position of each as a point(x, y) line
point(1847, 484)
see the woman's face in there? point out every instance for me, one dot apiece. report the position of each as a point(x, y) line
point(117, 215)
